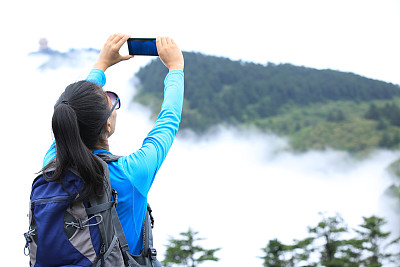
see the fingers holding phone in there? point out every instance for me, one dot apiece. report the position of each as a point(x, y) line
point(169, 53)
point(110, 55)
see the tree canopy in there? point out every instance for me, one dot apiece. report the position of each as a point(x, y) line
point(219, 90)
point(330, 244)
point(184, 251)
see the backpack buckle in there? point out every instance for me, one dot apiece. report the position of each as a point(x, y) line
point(115, 196)
point(152, 253)
point(28, 237)
point(80, 224)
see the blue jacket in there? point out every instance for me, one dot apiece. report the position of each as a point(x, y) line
point(132, 176)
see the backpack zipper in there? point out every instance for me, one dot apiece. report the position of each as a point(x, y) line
point(51, 199)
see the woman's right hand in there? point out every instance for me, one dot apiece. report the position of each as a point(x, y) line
point(109, 55)
point(169, 53)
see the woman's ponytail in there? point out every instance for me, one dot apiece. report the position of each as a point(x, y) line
point(74, 122)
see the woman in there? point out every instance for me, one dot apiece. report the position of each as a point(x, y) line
point(85, 117)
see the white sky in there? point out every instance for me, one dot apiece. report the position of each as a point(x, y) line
point(360, 36)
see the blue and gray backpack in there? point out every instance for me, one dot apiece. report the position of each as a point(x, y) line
point(67, 232)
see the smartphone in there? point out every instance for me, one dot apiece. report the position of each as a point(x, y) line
point(142, 46)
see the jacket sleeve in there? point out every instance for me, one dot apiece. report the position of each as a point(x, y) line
point(142, 165)
point(97, 76)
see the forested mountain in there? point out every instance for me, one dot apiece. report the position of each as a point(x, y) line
point(315, 108)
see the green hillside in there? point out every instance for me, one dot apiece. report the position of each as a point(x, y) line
point(314, 108)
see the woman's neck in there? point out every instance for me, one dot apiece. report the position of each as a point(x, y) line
point(102, 144)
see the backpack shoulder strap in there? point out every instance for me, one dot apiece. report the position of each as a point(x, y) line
point(108, 157)
point(148, 249)
point(148, 252)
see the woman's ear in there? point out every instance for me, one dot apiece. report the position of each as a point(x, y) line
point(108, 125)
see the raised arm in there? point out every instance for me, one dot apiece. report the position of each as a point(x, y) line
point(144, 163)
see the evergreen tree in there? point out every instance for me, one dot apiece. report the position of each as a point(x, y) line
point(275, 254)
point(372, 113)
point(183, 252)
point(381, 125)
point(327, 247)
point(336, 116)
point(385, 141)
point(329, 232)
point(340, 116)
point(331, 116)
point(375, 244)
point(394, 116)
point(396, 139)
point(351, 252)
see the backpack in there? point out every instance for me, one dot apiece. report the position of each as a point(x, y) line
point(67, 232)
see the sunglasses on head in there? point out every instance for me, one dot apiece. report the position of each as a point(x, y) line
point(115, 101)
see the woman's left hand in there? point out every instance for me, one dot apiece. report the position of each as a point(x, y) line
point(109, 55)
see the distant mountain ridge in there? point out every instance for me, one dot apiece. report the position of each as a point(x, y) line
point(285, 99)
point(71, 58)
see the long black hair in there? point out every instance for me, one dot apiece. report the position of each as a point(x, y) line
point(79, 115)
